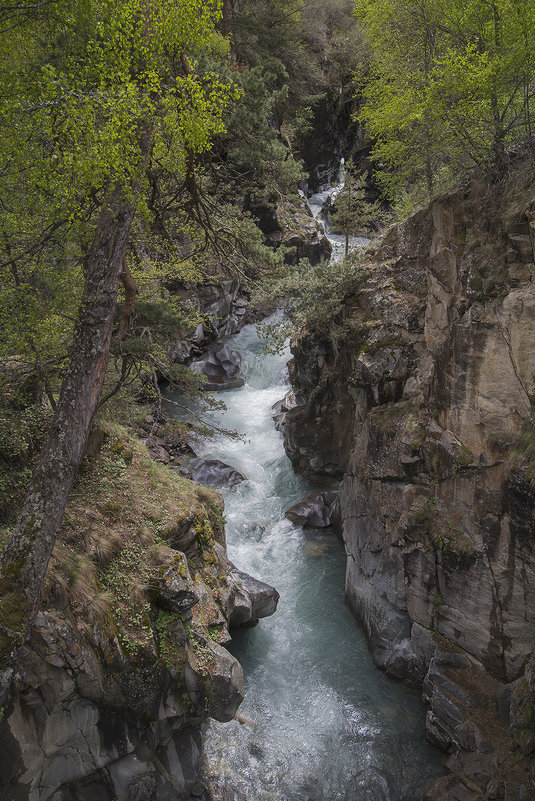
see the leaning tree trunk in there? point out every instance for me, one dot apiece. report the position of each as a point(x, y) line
point(28, 553)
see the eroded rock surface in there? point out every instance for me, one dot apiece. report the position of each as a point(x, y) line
point(79, 726)
point(292, 226)
point(281, 408)
point(420, 408)
point(222, 308)
point(222, 367)
point(126, 661)
point(318, 510)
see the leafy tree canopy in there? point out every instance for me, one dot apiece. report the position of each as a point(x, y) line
point(87, 105)
point(80, 81)
point(449, 86)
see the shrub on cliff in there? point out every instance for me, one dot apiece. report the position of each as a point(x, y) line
point(315, 298)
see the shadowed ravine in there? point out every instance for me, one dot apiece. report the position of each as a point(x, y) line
point(321, 722)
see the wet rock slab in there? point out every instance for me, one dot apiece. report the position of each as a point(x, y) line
point(317, 510)
point(215, 473)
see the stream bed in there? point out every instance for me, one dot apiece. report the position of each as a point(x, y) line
point(321, 722)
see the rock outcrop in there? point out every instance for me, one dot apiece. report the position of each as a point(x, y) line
point(280, 408)
point(222, 367)
point(421, 408)
point(319, 509)
point(290, 224)
point(222, 307)
point(251, 600)
point(333, 133)
point(126, 660)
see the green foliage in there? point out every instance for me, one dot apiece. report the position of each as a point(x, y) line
point(524, 454)
point(21, 431)
point(353, 214)
point(83, 83)
point(126, 575)
point(315, 297)
point(253, 143)
point(169, 652)
point(450, 85)
point(438, 601)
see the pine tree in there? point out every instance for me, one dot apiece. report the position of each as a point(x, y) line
point(353, 214)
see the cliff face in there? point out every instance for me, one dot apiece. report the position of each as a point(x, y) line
point(419, 408)
point(126, 659)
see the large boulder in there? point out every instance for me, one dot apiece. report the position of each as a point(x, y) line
point(250, 600)
point(221, 304)
point(317, 510)
point(215, 473)
point(222, 367)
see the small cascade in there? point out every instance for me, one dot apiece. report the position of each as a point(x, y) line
point(319, 205)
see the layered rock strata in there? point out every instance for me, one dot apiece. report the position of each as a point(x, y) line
point(422, 407)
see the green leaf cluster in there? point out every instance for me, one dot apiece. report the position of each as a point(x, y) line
point(450, 86)
point(81, 82)
point(21, 431)
point(353, 213)
point(315, 298)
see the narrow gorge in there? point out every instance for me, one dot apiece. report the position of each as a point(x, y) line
point(267, 400)
point(421, 406)
point(318, 720)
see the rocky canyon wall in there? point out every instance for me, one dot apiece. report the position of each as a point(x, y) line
point(421, 405)
point(126, 659)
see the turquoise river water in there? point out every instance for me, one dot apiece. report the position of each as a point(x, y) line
point(322, 723)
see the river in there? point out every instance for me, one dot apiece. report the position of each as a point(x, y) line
point(317, 203)
point(321, 722)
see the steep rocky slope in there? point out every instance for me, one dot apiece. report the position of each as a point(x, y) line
point(126, 659)
point(420, 404)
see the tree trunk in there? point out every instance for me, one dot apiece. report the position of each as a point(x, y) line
point(225, 21)
point(498, 140)
point(498, 137)
point(130, 294)
point(28, 553)
point(429, 176)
